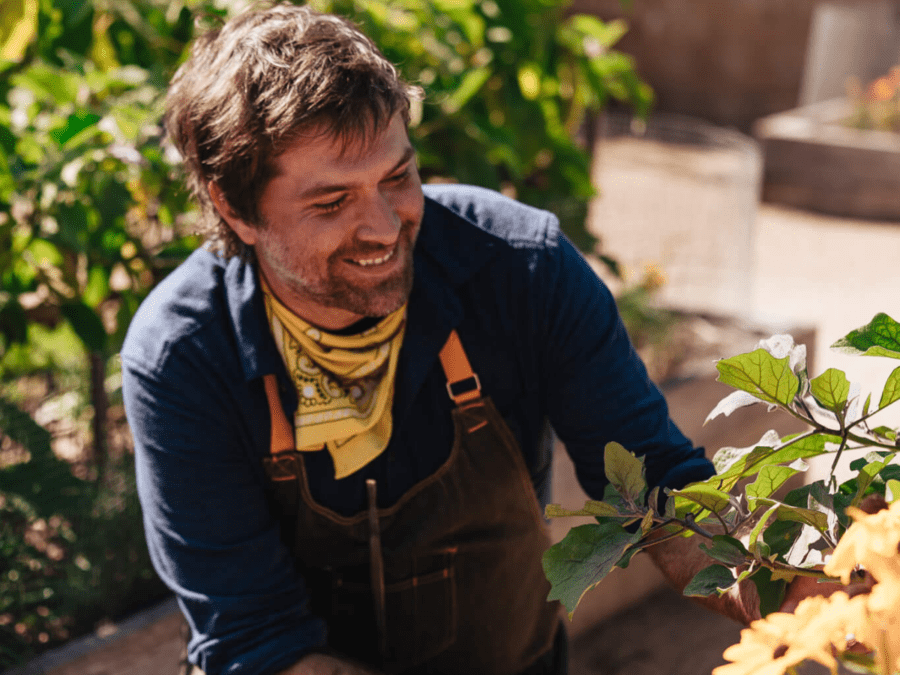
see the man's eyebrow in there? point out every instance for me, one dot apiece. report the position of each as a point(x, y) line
point(330, 188)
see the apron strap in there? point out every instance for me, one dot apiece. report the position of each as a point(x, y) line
point(282, 439)
point(463, 384)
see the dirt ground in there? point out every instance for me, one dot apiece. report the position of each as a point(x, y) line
point(664, 635)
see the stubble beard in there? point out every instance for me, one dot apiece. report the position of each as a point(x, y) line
point(335, 291)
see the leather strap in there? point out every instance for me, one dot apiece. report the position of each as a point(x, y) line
point(462, 383)
point(282, 439)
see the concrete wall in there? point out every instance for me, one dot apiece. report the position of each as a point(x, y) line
point(727, 61)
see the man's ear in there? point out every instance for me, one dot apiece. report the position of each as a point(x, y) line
point(246, 232)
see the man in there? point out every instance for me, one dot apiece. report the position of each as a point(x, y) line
point(341, 404)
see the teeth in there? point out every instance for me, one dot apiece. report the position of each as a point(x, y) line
point(375, 261)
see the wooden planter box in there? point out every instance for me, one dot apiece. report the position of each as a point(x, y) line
point(814, 162)
point(691, 396)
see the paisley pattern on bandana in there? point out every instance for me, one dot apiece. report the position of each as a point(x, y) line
point(345, 384)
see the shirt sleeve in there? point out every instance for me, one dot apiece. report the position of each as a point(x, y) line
point(211, 533)
point(598, 389)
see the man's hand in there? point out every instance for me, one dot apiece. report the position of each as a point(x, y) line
point(324, 664)
point(680, 559)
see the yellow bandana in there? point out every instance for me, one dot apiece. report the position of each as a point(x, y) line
point(345, 384)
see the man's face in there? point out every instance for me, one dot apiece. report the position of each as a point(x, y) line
point(339, 226)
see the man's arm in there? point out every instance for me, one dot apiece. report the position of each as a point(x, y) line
point(211, 535)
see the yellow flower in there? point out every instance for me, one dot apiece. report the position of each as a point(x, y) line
point(871, 542)
point(816, 628)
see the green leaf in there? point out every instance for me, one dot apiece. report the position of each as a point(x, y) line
point(886, 433)
point(581, 560)
point(761, 374)
point(647, 523)
point(880, 337)
point(712, 580)
point(75, 124)
point(759, 528)
point(624, 471)
point(865, 478)
point(831, 389)
point(743, 463)
point(891, 390)
point(705, 495)
point(771, 477)
point(727, 550)
point(86, 324)
point(796, 514)
point(471, 83)
point(892, 491)
point(591, 508)
point(771, 592)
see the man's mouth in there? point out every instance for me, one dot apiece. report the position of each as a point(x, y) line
point(367, 262)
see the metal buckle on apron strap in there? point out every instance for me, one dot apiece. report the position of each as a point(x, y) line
point(462, 387)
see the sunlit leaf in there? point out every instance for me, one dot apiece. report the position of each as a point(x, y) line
point(891, 391)
point(892, 490)
point(727, 459)
point(831, 389)
point(761, 374)
point(582, 560)
point(591, 508)
point(18, 27)
point(712, 580)
point(797, 514)
point(704, 495)
point(734, 400)
point(880, 337)
point(624, 471)
point(770, 478)
point(865, 477)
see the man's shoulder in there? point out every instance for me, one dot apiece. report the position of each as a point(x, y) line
point(188, 299)
point(517, 224)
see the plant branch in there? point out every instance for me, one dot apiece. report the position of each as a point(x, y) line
point(653, 542)
point(691, 525)
point(833, 480)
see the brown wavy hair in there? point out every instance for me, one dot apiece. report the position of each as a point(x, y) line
point(253, 85)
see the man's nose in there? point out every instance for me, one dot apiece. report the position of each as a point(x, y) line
point(380, 222)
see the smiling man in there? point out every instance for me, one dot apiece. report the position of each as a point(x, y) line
point(342, 404)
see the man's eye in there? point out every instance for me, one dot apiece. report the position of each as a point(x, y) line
point(400, 177)
point(330, 206)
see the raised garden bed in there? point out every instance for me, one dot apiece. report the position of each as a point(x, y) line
point(813, 161)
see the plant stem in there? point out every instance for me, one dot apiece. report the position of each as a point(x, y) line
point(832, 482)
point(690, 524)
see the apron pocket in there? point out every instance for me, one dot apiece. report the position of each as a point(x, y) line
point(420, 611)
point(421, 618)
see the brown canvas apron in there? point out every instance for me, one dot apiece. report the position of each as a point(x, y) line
point(449, 579)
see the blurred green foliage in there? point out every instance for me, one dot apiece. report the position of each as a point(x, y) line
point(93, 214)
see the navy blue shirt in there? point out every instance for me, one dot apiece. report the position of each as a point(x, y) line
point(539, 327)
